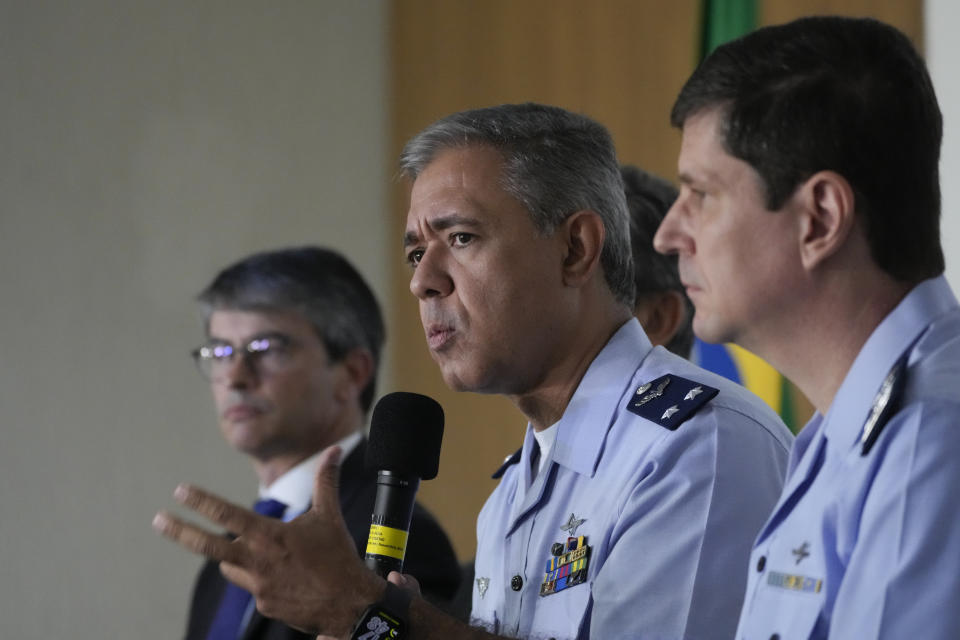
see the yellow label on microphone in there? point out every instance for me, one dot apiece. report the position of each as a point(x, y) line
point(386, 541)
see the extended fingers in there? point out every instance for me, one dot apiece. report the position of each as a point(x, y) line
point(238, 576)
point(198, 540)
point(231, 517)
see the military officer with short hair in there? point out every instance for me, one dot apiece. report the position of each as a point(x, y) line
point(807, 230)
point(650, 476)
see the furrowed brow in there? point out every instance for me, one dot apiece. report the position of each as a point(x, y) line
point(440, 224)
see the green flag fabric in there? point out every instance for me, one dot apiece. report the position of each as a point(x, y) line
point(724, 20)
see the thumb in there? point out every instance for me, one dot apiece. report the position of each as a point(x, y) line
point(405, 581)
point(326, 486)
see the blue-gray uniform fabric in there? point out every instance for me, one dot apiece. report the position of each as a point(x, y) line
point(868, 546)
point(668, 515)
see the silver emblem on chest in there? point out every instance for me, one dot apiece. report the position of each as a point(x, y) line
point(572, 525)
point(482, 584)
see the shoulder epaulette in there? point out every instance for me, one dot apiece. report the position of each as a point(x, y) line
point(885, 404)
point(670, 400)
point(512, 459)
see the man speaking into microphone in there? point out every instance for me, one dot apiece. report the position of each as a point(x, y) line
point(629, 510)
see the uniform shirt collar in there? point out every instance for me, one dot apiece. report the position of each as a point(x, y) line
point(545, 441)
point(891, 338)
point(295, 487)
point(598, 400)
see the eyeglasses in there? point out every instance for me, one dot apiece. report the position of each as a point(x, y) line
point(265, 355)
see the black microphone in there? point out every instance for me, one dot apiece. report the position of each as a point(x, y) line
point(404, 447)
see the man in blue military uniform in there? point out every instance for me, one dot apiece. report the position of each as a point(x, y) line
point(807, 230)
point(660, 304)
point(659, 503)
point(633, 514)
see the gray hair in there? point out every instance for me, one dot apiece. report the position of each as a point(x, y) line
point(319, 283)
point(555, 163)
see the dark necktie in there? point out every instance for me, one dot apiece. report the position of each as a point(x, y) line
point(233, 605)
point(534, 462)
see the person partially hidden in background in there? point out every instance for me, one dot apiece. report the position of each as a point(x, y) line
point(293, 341)
point(660, 301)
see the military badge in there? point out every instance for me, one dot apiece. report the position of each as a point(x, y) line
point(482, 584)
point(670, 400)
point(792, 582)
point(571, 526)
point(802, 552)
point(885, 404)
point(567, 568)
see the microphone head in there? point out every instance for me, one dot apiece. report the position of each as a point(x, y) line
point(405, 435)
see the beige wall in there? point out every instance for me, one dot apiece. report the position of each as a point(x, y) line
point(143, 146)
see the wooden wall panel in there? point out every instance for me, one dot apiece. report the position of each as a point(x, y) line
point(619, 61)
point(906, 15)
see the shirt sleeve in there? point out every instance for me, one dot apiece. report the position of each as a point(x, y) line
point(678, 561)
point(903, 570)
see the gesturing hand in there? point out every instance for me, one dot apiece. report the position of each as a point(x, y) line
point(305, 572)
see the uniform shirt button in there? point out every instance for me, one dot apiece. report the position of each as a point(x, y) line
point(775, 636)
point(761, 563)
point(516, 583)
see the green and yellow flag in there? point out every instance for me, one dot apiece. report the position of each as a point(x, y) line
point(724, 20)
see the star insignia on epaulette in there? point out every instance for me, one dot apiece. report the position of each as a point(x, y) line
point(693, 393)
point(670, 400)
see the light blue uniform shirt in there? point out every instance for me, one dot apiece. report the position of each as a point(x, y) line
point(669, 516)
point(868, 546)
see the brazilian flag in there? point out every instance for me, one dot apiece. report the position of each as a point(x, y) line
point(725, 20)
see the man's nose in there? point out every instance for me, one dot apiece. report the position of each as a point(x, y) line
point(431, 277)
point(670, 236)
point(238, 372)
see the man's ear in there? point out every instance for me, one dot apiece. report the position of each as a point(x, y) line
point(358, 369)
point(583, 234)
point(827, 216)
point(661, 315)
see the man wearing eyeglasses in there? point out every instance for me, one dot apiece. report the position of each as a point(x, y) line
point(293, 343)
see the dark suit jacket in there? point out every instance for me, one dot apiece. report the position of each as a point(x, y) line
point(429, 557)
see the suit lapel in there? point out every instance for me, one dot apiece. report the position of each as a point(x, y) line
point(352, 471)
